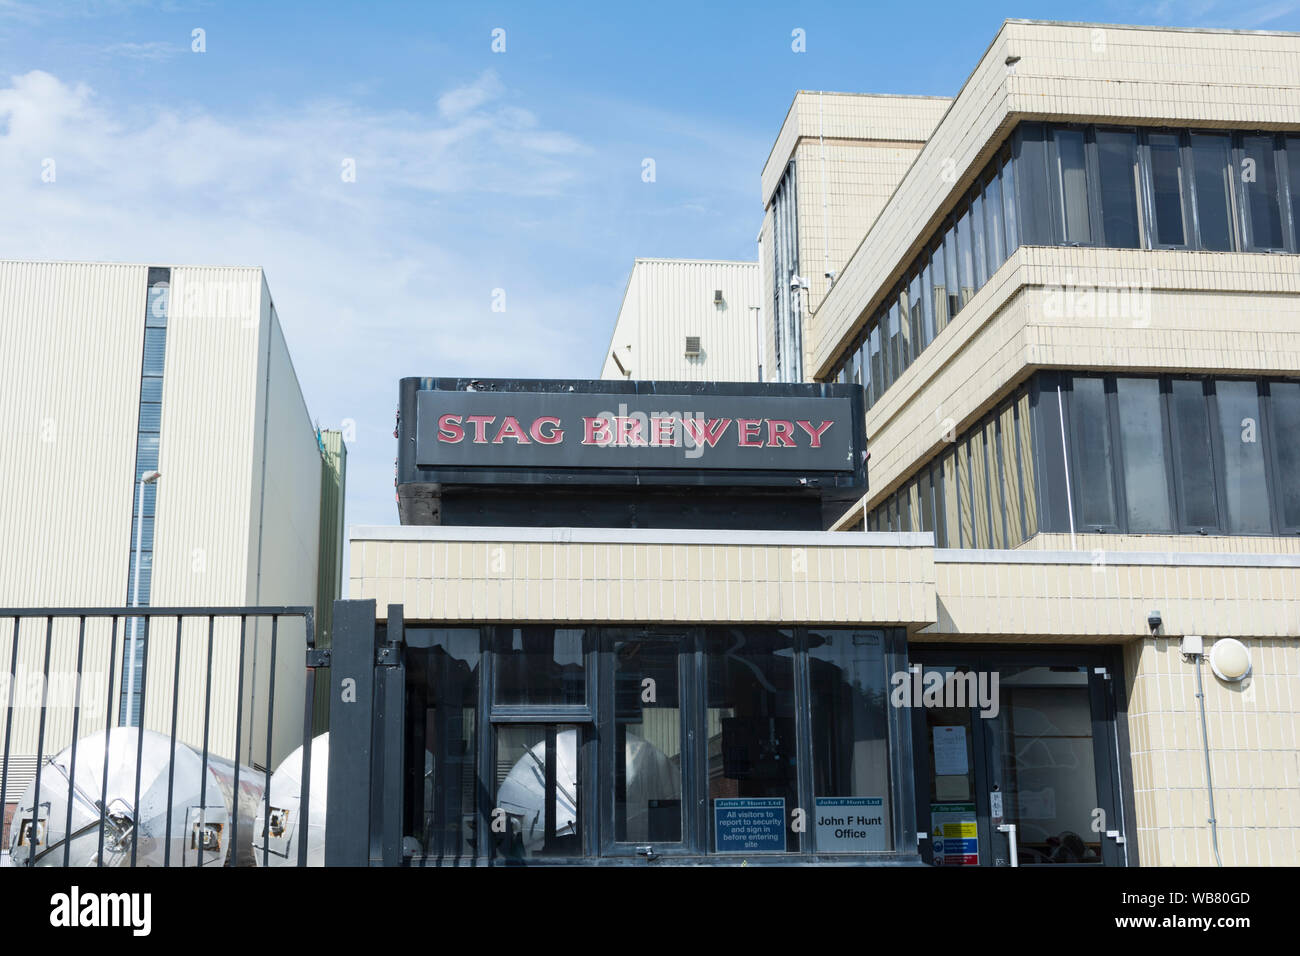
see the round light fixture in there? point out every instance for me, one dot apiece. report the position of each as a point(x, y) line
point(1229, 659)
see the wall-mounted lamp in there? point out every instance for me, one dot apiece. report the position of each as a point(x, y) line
point(1230, 660)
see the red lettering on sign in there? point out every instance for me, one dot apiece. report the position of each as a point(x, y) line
point(706, 434)
point(480, 423)
point(553, 437)
point(510, 428)
point(748, 428)
point(661, 431)
point(628, 431)
point(780, 433)
point(449, 429)
point(815, 433)
point(596, 431)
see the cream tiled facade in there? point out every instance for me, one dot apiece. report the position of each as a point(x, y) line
point(608, 576)
point(1147, 310)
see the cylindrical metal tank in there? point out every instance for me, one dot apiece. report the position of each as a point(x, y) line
point(201, 809)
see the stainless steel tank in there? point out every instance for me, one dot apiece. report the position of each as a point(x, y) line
point(202, 809)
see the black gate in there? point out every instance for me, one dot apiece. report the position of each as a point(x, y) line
point(185, 689)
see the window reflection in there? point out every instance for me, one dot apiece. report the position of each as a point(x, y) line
point(539, 789)
point(541, 665)
point(647, 742)
point(751, 733)
point(850, 728)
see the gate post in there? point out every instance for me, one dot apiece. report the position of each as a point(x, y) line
point(352, 699)
point(389, 743)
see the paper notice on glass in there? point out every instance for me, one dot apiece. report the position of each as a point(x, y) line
point(950, 751)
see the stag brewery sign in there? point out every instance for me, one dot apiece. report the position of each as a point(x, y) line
point(567, 430)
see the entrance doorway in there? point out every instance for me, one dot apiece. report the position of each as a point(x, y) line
point(1020, 756)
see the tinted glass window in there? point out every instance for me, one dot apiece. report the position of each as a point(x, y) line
point(1293, 163)
point(1192, 455)
point(979, 252)
point(1166, 185)
point(1035, 197)
point(1094, 493)
point(965, 256)
point(1117, 172)
point(905, 352)
point(1073, 184)
point(864, 363)
point(917, 323)
point(877, 363)
point(950, 270)
point(996, 246)
point(1142, 443)
point(925, 502)
point(927, 304)
point(442, 680)
point(150, 416)
point(1211, 159)
point(647, 742)
point(541, 665)
point(151, 389)
point(753, 770)
point(156, 312)
point(1260, 187)
point(1285, 414)
point(155, 347)
point(850, 724)
point(1245, 488)
point(539, 789)
point(1011, 221)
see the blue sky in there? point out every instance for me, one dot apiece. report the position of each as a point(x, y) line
point(475, 170)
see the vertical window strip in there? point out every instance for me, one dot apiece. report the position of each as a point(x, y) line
point(148, 427)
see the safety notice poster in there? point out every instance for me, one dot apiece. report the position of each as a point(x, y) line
point(954, 832)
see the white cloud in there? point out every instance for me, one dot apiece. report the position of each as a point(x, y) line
point(387, 276)
point(459, 101)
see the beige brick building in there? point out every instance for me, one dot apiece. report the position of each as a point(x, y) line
point(1070, 295)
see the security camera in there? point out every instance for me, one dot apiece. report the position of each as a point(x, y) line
point(798, 282)
point(1153, 621)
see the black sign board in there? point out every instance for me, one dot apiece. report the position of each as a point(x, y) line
point(576, 430)
point(609, 453)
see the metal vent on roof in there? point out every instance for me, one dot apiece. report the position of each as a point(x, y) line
point(692, 345)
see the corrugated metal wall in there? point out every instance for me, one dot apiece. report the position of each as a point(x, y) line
point(670, 299)
point(71, 339)
point(329, 577)
point(284, 543)
point(71, 336)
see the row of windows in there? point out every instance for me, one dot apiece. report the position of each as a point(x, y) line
point(1093, 186)
point(1159, 189)
point(1183, 455)
point(546, 742)
point(976, 239)
point(981, 493)
point(1131, 454)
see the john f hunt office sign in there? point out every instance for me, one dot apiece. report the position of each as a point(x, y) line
point(572, 430)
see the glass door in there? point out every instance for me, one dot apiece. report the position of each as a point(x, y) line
point(643, 730)
point(1019, 758)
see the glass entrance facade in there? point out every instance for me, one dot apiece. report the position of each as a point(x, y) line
point(1017, 757)
point(551, 743)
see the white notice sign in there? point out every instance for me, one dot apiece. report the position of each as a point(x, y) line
point(850, 824)
point(950, 751)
